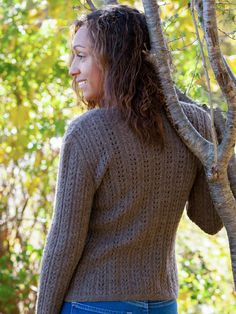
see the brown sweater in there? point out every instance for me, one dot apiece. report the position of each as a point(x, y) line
point(117, 209)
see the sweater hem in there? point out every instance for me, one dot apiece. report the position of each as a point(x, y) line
point(121, 297)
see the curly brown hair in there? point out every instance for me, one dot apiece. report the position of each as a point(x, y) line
point(121, 45)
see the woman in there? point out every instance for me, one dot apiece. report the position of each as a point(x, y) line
point(124, 178)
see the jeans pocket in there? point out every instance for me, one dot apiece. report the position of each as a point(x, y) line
point(82, 308)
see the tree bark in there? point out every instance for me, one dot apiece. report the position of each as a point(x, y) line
point(222, 196)
point(220, 127)
point(192, 138)
point(91, 5)
point(223, 78)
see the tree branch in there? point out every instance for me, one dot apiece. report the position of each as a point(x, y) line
point(196, 143)
point(228, 88)
point(91, 5)
point(220, 127)
point(221, 193)
point(213, 133)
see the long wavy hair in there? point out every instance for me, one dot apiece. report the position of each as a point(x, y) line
point(121, 45)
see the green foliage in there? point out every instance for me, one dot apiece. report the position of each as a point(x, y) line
point(18, 278)
point(204, 272)
point(36, 105)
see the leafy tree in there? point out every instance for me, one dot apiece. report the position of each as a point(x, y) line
point(36, 103)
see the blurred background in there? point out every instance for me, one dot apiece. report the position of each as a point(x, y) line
point(36, 105)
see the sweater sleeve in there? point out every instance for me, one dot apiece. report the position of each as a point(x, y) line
point(66, 239)
point(200, 208)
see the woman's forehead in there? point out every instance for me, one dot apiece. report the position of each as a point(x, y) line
point(81, 38)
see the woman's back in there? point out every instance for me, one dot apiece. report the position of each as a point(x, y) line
point(125, 201)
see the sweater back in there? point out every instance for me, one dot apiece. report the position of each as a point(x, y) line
point(118, 205)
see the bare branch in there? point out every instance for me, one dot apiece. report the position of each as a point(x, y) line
point(183, 47)
point(91, 5)
point(195, 70)
point(84, 6)
point(220, 122)
point(228, 88)
point(228, 34)
point(172, 40)
point(196, 143)
point(213, 133)
point(219, 186)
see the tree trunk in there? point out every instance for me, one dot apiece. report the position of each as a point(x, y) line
point(222, 196)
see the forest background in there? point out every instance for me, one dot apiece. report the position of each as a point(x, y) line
point(37, 103)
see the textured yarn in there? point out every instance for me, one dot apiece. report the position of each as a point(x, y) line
point(117, 208)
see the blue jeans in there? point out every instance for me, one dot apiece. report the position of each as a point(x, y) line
point(121, 307)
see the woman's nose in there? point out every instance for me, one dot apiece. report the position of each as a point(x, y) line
point(74, 68)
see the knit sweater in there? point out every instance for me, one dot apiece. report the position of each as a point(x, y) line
point(117, 208)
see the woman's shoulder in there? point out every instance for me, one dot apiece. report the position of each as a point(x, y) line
point(84, 118)
point(198, 116)
point(195, 111)
point(92, 122)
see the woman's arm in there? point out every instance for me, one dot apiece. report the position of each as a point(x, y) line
point(66, 239)
point(200, 208)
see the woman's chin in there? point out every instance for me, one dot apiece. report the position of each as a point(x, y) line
point(89, 97)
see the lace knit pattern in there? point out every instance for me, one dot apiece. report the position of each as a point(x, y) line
point(117, 208)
